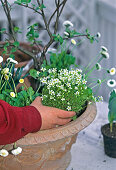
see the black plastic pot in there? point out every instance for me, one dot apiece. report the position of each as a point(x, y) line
point(109, 140)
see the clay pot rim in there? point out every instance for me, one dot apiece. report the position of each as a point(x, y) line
point(60, 132)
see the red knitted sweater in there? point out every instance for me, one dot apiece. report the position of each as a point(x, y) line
point(16, 122)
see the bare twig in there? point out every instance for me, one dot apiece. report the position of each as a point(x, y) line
point(55, 13)
point(26, 6)
point(57, 17)
point(7, 12)
point(64, 3)
point(45, 20)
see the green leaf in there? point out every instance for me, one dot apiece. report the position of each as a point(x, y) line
point(33, 73)
point(16, 43)
point(13, 49)
point(16, 29)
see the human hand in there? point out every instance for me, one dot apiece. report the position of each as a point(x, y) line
point(52, 116)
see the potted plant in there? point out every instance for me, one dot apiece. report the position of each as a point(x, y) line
point(109, 130)
point(48, 149)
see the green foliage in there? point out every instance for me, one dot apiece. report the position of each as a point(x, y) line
point(33, 34)
point(60, 60)
point(22, 2)
point(23, 98)
point(58, 38)
point(8, 82)
point(112, 108)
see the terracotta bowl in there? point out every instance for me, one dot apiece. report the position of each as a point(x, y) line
point(48, 149)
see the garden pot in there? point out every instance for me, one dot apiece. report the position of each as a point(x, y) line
point(48, 149)
point(109, 140)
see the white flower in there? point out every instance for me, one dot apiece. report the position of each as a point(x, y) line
point(98, 35)
point(59, 94)
point(66, 33)
point(3, 152)
point(43, 69)
point(104, 48)
point(16, 151)
point(63, 99)
point(44, 80)
point(1, 59)
point(6, 77)
point(67, 23)
point(77, 93)
point(38, 72)
point(100, 98)
point(12, 60)
point(68, 84)
point(84, 81)
point(51, 92)
point(112, 71)
point(73, 41)
point(12, 94)
point(105, 54)
point(5, 70)
point(54, 70)
point(49, 71)
point(111, 83)
point(98, 66)
point(68, 108)
point(76, 88)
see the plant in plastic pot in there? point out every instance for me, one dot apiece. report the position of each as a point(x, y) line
point(109, 130)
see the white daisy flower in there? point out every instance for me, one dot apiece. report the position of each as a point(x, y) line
point(68, 108)
point(111, 83)
point(105, 54)
point(6, 77)
point(1, 59)
point(5, 70)
point(16, 151)
point(98, 35)
point(104, 48)
point(3, 152)
point(67, 23)
point(73, 41)
point(12, 94)
point(112, 71)
point(12, 60)
point(98, 66)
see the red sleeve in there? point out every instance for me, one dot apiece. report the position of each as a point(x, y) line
point(16, 122)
